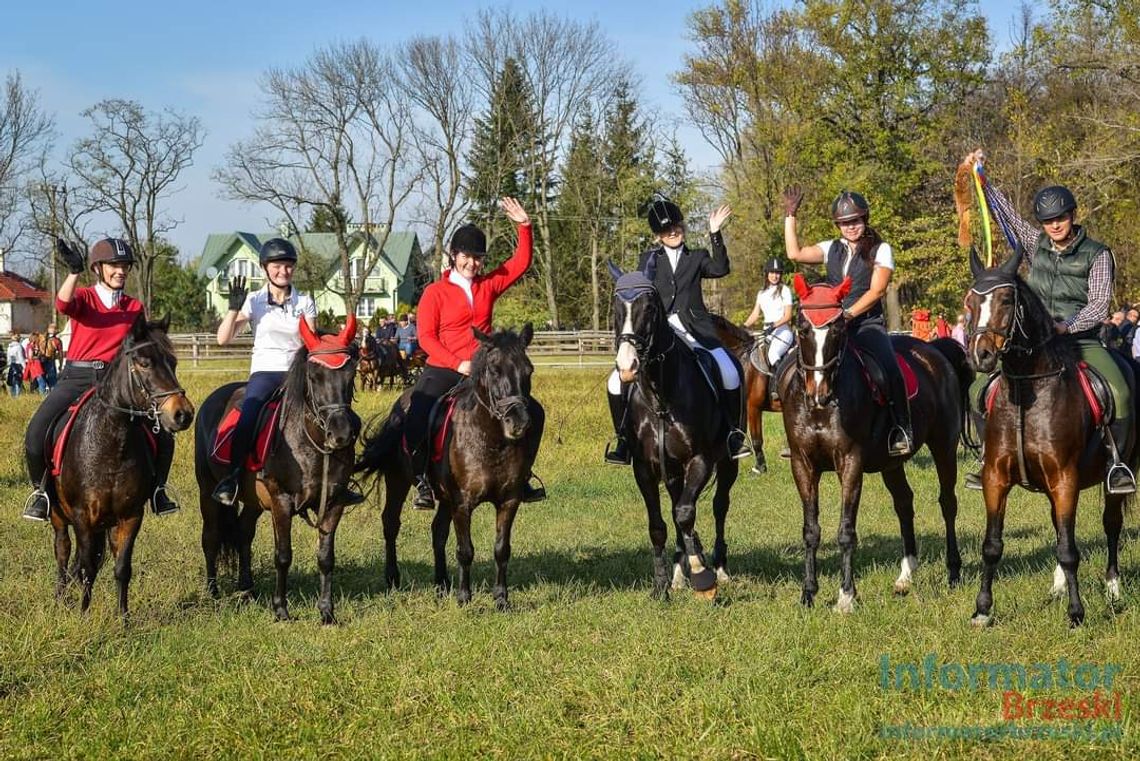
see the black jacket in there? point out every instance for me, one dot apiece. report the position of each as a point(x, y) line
point(681, 290)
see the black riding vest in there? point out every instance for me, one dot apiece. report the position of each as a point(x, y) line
point(858, 270)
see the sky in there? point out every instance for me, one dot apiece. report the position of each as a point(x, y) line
point(204, 58)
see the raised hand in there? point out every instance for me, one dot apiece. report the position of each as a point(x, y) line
point(718, 218)
point(792, 197)
point(514, 210)
point(72, 258)
point(238, 292)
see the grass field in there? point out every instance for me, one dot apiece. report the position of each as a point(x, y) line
point(585, 665)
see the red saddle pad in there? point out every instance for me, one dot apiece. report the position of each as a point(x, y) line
point(223, 439)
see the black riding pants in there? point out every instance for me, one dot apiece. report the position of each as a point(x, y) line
point(871, 335)
point(71, 384)
point(433, 383)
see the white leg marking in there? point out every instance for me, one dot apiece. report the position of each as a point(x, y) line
point(1112, 589)
point(909, 565)
point(845, 603)
point(1060, 586)
point(721, 576)
point(678, 577)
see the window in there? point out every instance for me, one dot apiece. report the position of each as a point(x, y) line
point(241, 268)
point(365, 308)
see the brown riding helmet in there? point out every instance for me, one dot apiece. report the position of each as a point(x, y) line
point(111, 251)
point(849, 206)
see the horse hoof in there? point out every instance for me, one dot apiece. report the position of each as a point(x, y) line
point(981, 620)
point(282, 615)
point(329, 620)
point(902, 588)
point(807, 599)
point(759, 469)
point(722, 576)
point(1076, 618)
point(703, 580)
point(846, 603)
point(678, 582)
point(502, 605)
point(661, 594)
point(705, 594)
point(1112, 591)
point(463, 598)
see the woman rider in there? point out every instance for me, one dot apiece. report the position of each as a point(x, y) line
point(676, 272)
point(860, 254)
point(274, 312)
point(774, 304)
point(101, 317)
point(1073, 276)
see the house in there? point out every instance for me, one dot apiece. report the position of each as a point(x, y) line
point(24, 307)
point(391, 282)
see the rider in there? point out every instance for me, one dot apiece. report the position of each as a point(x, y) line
point(274, 313)
point(676, 272)
point(860, 254)
point(1073, 276)
point(774, 302)
point(101, 317)
point(463, 298)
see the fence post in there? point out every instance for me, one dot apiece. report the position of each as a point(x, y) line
point(194, 349)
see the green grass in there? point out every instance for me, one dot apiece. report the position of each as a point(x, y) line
point(586, 664)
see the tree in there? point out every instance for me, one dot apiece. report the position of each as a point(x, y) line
point(128, 167)
point(25, 135)
point(180, 294)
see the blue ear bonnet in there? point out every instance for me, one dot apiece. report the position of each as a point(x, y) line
point(632, 284)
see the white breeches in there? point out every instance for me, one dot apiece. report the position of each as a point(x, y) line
point(778, 345)
point(728, 373)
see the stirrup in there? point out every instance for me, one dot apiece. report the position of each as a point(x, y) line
point(424, 499)
point(33, 500)
point(617, 454)
point(741, 451)
point(169, 506)
point(227, 498)
point(1125, 481)
point(973, 481)
point(907, 442)
point(534, 493)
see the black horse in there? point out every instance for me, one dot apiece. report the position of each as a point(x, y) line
point(833, 423)
point(107, 469)
point(306, 473)
point(1026, 441)
point(490, 429)
point(677, 430)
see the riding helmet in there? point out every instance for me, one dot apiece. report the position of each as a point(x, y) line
point(112, 251)
point(277, 250)
point(1052, 202)
point(470, 240)
point(774, 265)
point(848, 206)
point(664, 214)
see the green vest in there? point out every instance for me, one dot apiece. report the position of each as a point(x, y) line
point(1061, 281)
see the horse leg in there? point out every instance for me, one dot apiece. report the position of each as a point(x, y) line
point(1064, 500)
point(647, 484)
point(211, 540)
point(1113, 519)
point(464, 552)
point(396, 488)
point(701, 578)
point(851, 487)
point(902, 496)
point(326, 559)
point(504, 520)
point(282, 557)
point(726, 472)
point(807, 483)
point(123, 546)
point(680, 561)
point(62, 556)
point(89, 554)
point(992, 546)
point(946, 465)
point(757, 391)
point(440, 531)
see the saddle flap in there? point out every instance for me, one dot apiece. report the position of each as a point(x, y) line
point(266, 427)
point(876, 378)
point(1097, 393)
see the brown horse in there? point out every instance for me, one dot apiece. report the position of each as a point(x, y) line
point(1026, 441)
point(833, 423)
point(306, 473)
point(390, 364)
point(107, 470)
point(368, 370)
point(757, 383)
point(490, 446)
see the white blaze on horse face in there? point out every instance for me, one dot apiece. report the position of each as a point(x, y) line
point(626, 353)
point(820, 340)
point(984, 311)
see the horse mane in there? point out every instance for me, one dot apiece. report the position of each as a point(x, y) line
point(154, 333)
point(294, 385)
point(737, 337)
point(1041, 323)
point(501, 339)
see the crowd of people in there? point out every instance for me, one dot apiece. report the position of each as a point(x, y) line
point(32, 363)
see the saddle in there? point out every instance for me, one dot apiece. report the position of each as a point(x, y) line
point(60, 432)
point(264, 439)
point(1097, 392)
point(876, 378)
point(758, 356)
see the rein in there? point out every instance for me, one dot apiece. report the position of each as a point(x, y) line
point(320, 414)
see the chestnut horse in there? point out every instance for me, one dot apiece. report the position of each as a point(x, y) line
point(307, 471)
point(368, 369)
point(107, 469)
point(490, 441)
point(833, 423)
point(1026, 441)
point(757, 383)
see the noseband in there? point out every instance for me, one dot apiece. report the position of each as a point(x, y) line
point(804, 368)
point(153, 399)
point(1016, 326)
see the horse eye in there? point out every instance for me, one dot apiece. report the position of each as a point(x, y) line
point(143, 361)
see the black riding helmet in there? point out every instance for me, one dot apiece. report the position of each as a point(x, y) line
point(112, 251)
point(848, 206)
point(470, 240)
point(664, 214)
point(277, 250)
point(1052, 202)
point(774, 265)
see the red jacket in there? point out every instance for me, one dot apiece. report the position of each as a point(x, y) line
point(96, 331)
point(444, 317)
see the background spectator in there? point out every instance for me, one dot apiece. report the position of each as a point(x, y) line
point(16, 360)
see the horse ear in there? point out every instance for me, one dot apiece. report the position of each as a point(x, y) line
point(139, 328)
point(615, 271)
point(527, 334)
point(480, 336)
point(801, 286)
point(843, 289)
point(976, 266)
point(1010, 265)
point(310, 339)
point(163, 323)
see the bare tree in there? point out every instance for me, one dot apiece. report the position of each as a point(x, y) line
point(333, 134)
point(25, 135)
point(128, 167)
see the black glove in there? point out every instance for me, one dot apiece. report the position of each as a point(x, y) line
point(238, 292)
point(72, 258)
point(767, 332)
point(792, 198)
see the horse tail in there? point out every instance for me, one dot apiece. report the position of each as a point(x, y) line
point(382, 440)
point(956, 355)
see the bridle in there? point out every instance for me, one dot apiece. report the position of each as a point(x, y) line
point(137, 383)
point(321, 414)
point(1015, 327)
point(641, 345)
point(803, 368)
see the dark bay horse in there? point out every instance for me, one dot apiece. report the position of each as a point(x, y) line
point(107, 469)
point(368, 369)
point(390, 365)
point(305, 474)
point(491, 435)
point(833, 423)
point(1060, 454)
point(757, 383)
point(676, 430)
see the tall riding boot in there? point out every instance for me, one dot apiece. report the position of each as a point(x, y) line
point(619, 453)
point(738, 446)
point(973, 479)
point(1119, 479)
point(900, 441)
point(160, 501)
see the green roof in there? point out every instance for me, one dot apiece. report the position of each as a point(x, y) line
point(398, 249)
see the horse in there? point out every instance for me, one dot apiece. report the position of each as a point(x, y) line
point(486, 436)
point(390, 365)
point(677, 431)
point(106, 472)
point(368, 369)
point(1026, 441)
point(834, 423)
point(308, 469)
point(757, 382)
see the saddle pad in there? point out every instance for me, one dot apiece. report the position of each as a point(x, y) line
point(60, 444)
point(1089, 385)
point(910, 379)
point(439, 440)
point(223, 439)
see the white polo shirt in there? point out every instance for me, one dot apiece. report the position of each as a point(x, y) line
point(772, 303)
point(276, 331)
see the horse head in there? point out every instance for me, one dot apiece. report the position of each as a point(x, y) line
point(500, 375)
point(821, 333)
point(151, 387)
point(638, 316)
point(323, 376)
point(995, 308)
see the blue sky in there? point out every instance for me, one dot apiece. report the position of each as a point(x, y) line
point(204, 58)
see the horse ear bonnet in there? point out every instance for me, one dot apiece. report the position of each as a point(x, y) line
point(632, 284)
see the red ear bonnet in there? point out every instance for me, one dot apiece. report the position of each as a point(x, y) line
point(801, 286)
point(310, 338)
point(843, 289)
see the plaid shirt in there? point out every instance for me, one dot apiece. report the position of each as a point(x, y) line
point(1096, 309)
